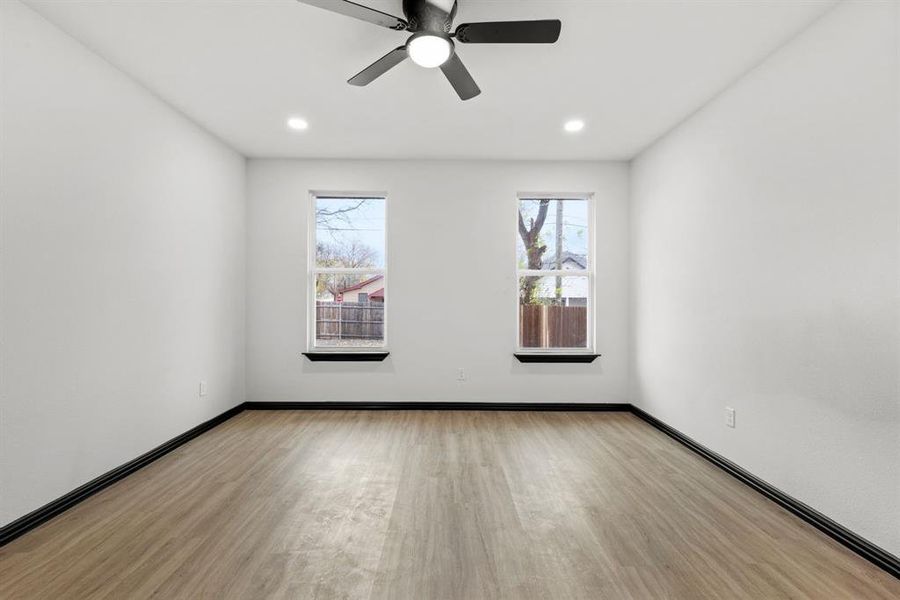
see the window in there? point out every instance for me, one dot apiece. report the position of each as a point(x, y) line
point(554, 273)
point(348, 274)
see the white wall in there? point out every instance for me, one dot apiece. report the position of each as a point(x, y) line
point(451, 227)
point(765, 271)
point(122, 267)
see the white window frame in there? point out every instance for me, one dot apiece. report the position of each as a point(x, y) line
point(314, 271)
point(589, 272)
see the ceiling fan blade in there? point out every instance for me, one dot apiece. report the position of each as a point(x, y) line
point(460, 78)
point(358, 11)
point(379, 67)
point(510, 32)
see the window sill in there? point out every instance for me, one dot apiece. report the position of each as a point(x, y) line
point(346, 356)
point(552, 357)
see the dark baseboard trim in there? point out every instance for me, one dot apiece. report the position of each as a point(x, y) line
point(43, 514)
point(520, 406)
point(866, 549)
point(549, 357)
point(346, 356)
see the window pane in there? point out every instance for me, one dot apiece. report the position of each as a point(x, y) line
point(349, 310)
point(553, 234)
point(553, 312)
point(350, 233)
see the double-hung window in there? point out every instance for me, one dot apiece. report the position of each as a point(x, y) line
point(348, 272)
point(555, 273)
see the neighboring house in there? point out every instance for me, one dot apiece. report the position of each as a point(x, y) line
point(574, 289)
point(370, 290)
point(570, 261)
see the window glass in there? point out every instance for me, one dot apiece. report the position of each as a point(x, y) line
point(349, 232)
point(349, 276)
point(554, 273)
point(553, 234)
point(553, 312)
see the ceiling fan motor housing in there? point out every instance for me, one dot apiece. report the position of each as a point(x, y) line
point(433, 41)
point(429, 15)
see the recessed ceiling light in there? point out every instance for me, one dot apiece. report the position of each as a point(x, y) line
point(574, 126)
point(297, 124)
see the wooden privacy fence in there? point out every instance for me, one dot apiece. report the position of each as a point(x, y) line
point(349, 321)
point(547, 326)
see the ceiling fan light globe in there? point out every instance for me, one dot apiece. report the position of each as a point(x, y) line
point(574, 126)
point(429, 51)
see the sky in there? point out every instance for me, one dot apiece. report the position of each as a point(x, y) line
point(364, 224)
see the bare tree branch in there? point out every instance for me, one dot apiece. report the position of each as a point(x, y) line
point(329, 220)
point(352, 255)
point(325, 213)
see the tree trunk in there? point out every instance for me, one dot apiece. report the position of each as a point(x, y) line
point(535, 252)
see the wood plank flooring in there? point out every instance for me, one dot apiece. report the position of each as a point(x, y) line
point(428, 504)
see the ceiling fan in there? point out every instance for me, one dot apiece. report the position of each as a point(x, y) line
point(432, 43)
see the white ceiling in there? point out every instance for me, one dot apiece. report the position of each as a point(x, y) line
point(630, 69)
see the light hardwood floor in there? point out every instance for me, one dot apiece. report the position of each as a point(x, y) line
point(427, 504)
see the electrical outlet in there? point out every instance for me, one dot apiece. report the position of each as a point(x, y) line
point(460, 374)
point(729, 416)
point(204, 389)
